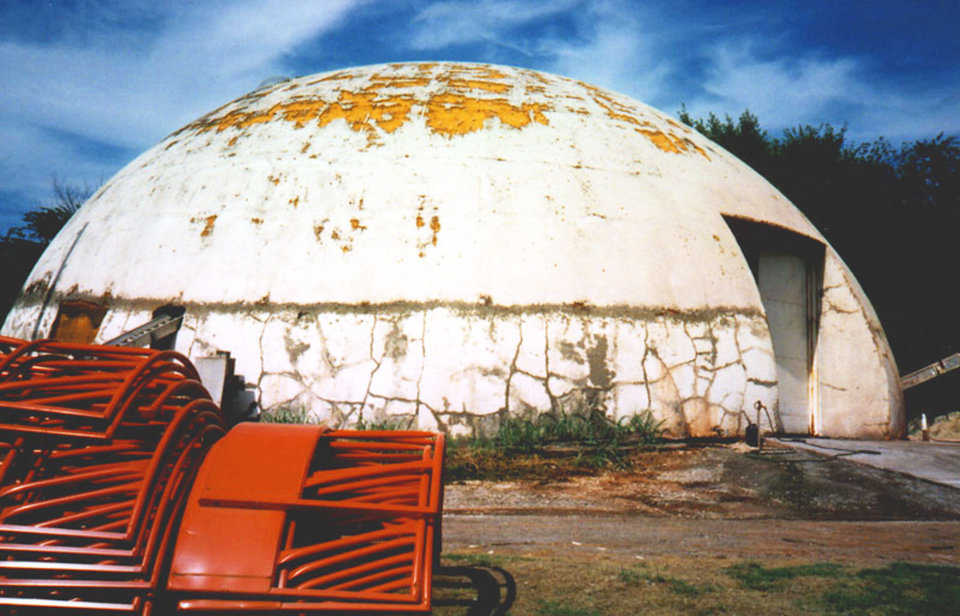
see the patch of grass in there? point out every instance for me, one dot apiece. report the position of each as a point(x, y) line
point(288, 415)
point(634, 576)
point(629, 576)
point(389, 423)
point(757, 577)
point(898, 588)
point(481, 560)
point(564, 608)
point(581, 441)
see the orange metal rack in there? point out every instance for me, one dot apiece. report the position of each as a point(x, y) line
point(122, 491)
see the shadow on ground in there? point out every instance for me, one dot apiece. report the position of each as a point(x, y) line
point(474, 591)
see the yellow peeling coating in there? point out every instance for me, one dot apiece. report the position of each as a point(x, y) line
point(483, 72)
point(477, 84)
point(457, 105)
point(382, 81)
point(666, 141)
point(455, 114)
point(358, 109)
point(340, 76)
point(669, 142)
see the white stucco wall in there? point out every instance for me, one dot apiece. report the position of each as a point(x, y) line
point(445, 241)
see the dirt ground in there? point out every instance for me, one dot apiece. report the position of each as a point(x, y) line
point(642, 540)
point(719, 481)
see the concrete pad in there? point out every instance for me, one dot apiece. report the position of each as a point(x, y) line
point(938, 462)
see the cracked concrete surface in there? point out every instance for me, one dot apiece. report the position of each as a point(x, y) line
point(439, 368)
point(450, 369)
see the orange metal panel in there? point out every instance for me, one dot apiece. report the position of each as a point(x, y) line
point(251, 461)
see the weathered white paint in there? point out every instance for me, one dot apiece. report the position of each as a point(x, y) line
point(444, 241)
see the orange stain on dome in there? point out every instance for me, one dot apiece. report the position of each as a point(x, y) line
point(449, 111)
point(477, 84)
point(451, 114)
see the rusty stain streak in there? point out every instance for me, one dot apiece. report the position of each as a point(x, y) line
point(355, 224)
point(209, 221)
point(318, 232)
point(306, 146)
point(435, 227)
point(334, 235)
point(171, 144)
point(233, 140)
point(294, 201)
point(257, 221)
point(274, 180)
point(345, 248)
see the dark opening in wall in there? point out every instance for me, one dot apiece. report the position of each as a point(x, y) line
point(788, 270)
point(77, 321)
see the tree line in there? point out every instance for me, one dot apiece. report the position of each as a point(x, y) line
point(891, 212)
point(22, 245)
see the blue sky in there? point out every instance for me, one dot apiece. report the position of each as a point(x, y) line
point(89, 84)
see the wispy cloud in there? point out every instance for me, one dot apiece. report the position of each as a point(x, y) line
point(105, 83)
point(616, 48)
point(775, 88)
point(445, 24)
point(785, 89)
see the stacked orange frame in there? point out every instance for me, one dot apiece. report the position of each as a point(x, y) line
point(119, 493)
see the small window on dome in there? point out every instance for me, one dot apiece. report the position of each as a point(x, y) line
point(77, 321)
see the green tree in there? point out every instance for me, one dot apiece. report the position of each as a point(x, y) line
point(22, 245)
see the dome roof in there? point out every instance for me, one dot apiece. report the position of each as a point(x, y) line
point(445, 243)
point(413, 182)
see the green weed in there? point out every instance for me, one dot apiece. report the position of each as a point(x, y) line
point(288, 415)
point(564, 608)
point(898, 588)
point(757, 577)
point(389, 423)
point(634, 576)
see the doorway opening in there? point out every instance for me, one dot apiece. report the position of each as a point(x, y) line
point(788, 270)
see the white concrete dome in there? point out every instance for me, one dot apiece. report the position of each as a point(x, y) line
point(442, 242)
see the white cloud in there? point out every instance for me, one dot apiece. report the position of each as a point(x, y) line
point(786, 89)
point(132, 90)
point(443, 24)
point(616, 51)
point(776, 89)
point(611, 47)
